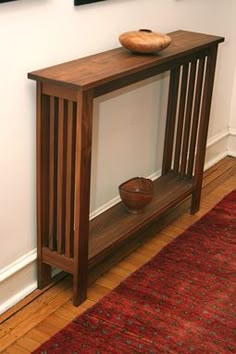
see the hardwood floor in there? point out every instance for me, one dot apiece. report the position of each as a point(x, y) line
point(28, 324)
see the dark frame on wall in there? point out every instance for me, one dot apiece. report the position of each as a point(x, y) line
point(76, 2)
point(83, 2)
point(1, 1)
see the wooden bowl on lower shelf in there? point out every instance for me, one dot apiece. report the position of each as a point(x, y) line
point(136, 193)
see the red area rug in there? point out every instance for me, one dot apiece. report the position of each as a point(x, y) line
point(182, 301)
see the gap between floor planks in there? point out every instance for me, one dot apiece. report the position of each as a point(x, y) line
point(32, 321)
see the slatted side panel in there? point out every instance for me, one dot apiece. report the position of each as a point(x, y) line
point(61, 174)
point(183, 115)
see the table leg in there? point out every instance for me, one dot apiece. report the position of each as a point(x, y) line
point(82, 194)
point(203, 128)
point(42, 148)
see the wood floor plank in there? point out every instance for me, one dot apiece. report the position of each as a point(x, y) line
point(37, 335)
point(147, 252)
point(35, 310)
point(110, 280)
point(134, 261)
point(28, 299)
point(68, 311)
point(27, 343)
point(58, 321)
point(47, 328)
point(35, 321)
point(155, 244)
point(26, 320)
point(8, 339)
point(96, 292)
point(172, 231)
point(121, 271)
point(15, 349)
point(48, 308)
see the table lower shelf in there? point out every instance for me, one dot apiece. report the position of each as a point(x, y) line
point(111, 229)
point(115, 225)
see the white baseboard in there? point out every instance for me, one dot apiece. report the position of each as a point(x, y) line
point(20, 295)
point(217, 138)
point(14, 272)
point(16, 286)
point(211, 162)
point(232, 131)
point(216, 149)
point(232, 153)
point(18, 264)
point(232, 142)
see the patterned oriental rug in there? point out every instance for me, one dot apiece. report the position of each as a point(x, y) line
point(182, 301)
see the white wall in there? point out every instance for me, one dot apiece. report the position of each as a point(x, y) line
point(35, 34)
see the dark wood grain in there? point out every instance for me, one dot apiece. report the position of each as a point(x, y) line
point(60, 181)
point(108, 229)
point(203, 126)
point(171, 119)
point(181, 113)
point(196, 110)
point(57, 260)
point(52, 204)
point(101, 68)
point(66, 239)
point(82, 194)
point(69, 182)
point(188, 118)
point(42, 115)
point(64, 92)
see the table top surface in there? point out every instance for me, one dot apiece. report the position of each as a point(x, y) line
point(96, 70)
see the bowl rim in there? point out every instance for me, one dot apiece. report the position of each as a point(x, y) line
point(148, 180)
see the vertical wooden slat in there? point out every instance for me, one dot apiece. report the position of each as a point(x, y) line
point(170, 120)
point(42, 115)
point(82, 194)
point(73, 184)
point(197, 105)
point(203, 127)
point(60, 157)
point(69, 196)
point(188, 117)
point(52, 174)
point(181, 113)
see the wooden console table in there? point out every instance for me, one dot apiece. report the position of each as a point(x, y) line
point(65, 93)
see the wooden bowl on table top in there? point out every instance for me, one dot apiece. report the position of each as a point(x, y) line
point(144, 41)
